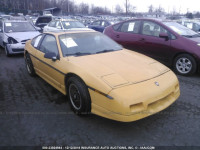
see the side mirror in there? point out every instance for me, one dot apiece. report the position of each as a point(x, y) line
point(164, 36)
point(51, 56)
point(1, 30)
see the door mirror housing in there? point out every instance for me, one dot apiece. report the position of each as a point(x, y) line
point(51, 55)
point(164, 36)
point(1, 30)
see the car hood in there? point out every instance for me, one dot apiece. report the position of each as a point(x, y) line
point(20, 36)
point(120, 68)
point(195, 39)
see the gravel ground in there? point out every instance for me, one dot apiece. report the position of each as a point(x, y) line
point(34, 113)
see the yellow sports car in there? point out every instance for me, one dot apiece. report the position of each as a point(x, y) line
point(101, 77)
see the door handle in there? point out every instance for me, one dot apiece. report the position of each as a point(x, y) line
point(142, 40)
point(117, 36)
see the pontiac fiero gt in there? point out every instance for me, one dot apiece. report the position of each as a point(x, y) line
point(101, 77)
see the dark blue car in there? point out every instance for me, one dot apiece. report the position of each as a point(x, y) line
point(100, 25)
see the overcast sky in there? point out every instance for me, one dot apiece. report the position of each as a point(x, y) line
point(142, 5)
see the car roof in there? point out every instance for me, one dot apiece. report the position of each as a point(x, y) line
point(15, 20)
point(57, 33)
point(61, 19)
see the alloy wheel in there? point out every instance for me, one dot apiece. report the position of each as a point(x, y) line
point(75, 97)
point(184, 65)
point(28, 64)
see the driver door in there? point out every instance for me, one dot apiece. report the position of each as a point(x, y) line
point(49, 69)
point(151, 44)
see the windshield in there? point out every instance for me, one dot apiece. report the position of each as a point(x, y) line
point(6, 17)
point(78, 44)
point(180, 29)
point(72, 24)
point(44, 20)
point(18, 27)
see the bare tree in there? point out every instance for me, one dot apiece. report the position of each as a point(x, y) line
point(67, 6)
point(84, 8)
point(151, 9)
point(159, 9)
point(174, 12)
point(118, 9)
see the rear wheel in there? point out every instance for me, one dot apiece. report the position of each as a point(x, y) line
point(29, 65)
point(185, 64)
point(78, 96)
point(6, 51)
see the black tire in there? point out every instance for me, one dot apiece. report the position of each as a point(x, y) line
point(6, 51)
point(78, 96)
point(29, 65)
point(185, 65)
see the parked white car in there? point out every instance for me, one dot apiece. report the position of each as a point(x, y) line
point(14, 34)
point(64, 24)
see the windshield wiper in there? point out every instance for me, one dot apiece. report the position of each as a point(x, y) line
point(78, 54)
point(191, 36)
point(188, 36)
point(196, 35)
point(105, 51)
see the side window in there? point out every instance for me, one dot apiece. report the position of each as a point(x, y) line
point(52, 24)
point(104, 24)
point(35, 42)
point(131, 26)
point(152, 29)
point(116, 27)
point(172, 37)
point(49, 44)
point(96, 23)
point(196, 27)
point(58, 25)
point(1, 24)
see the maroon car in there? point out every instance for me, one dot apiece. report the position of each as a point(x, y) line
point(168, 42)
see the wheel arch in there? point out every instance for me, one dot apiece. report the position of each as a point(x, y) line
point(177, 54)
point(25, 51)
point(192, 55)
point(69, 75)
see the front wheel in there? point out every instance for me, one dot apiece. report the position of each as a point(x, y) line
point(185, 64)
point(7, 51)
point(78, 96)
point(29, 65)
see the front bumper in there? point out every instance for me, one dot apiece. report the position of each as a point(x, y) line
point(138, 101)
point(153, 109)
point(16, 48)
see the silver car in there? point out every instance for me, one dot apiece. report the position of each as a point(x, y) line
point(191, 24)
point(64, 24)
point(14, 34)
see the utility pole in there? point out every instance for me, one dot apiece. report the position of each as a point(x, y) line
point(68, 7)
point(126, 8)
